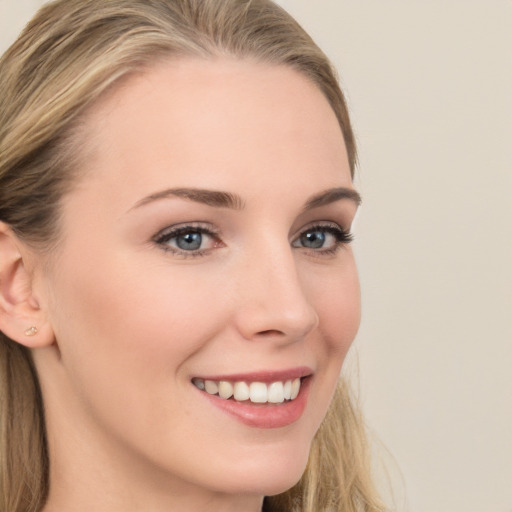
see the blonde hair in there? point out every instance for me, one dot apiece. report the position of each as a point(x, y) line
point(68, 55)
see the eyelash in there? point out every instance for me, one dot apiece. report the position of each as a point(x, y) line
point(341, 236)
point(169, 234)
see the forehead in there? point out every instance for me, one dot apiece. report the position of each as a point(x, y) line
point(212, 118)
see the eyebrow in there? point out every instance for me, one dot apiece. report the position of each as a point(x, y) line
point(213, 198)
point(332, 195)
point(219, 199)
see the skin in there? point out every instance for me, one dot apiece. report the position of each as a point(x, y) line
point(132, 323)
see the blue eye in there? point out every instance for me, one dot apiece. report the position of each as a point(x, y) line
point(187, 240)
point(324, 239)
point(190, 241)
point(313, 239)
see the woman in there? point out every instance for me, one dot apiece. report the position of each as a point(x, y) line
point(177, 289)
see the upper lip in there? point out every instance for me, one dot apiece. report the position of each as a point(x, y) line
point(266, 376)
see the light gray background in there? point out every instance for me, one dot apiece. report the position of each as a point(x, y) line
point(429, 86)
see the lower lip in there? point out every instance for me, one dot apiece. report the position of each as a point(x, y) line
point(264, 415)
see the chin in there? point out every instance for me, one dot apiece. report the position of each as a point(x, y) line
point(283, 482)
point(269, 475)
point(270, 484)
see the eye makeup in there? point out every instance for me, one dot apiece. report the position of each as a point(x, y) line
point(199, 239)
point(188, 240)
point(323, 239)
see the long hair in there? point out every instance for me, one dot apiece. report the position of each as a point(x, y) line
point(65, 59)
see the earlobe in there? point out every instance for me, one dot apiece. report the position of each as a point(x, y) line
point(21, 317)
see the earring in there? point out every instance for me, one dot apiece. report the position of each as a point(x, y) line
point(31, 331)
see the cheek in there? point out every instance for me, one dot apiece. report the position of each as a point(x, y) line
point(134, 318)
point(336, 296)
point(338, 303)
point(126, 337)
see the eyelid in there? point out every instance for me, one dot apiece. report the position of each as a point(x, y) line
point(323, 225)
point(174, 231)
point(343, 237)
point(184, 226)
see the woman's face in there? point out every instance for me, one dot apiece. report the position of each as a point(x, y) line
point(206, 241)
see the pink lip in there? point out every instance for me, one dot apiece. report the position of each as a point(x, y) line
point(267, 376)
point(264, 416)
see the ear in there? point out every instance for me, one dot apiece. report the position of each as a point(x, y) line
point(21, 317)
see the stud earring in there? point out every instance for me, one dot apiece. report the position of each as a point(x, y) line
point(31, 331)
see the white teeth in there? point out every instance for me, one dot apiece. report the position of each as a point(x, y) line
point(225, 389)
point(295, 389)
point(257, 392)
point(276, 393)
point(288, 390)
point(211, 387)
point(241, 391)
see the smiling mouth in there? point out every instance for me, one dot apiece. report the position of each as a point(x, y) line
point(255, 392)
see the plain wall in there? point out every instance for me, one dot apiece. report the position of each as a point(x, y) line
point(429, 86)
point(430, 89)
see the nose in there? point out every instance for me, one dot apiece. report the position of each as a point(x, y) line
point(272, 302)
